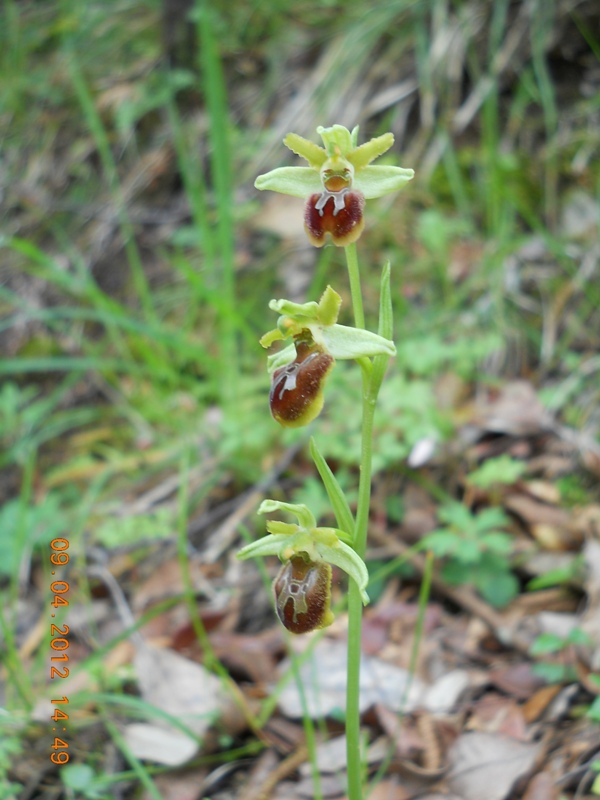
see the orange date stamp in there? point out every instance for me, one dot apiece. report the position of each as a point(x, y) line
point(60, 646)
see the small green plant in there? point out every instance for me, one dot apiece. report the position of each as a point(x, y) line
point(80, 780)
point(501, 470)
point(475, 550)
point(594, 710)
point(10, 746)
point(552, 644)
point(337, 181)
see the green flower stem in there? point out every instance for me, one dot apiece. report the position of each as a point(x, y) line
point(355, 605)
point(354, 275)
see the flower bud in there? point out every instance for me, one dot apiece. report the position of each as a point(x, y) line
point(296, 396)
point(302, 594)
point(337, 212)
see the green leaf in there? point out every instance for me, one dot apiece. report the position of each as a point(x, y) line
point(337, 498)
point(490, 518)
point(501, 470)
point(594, 710)
point(498, 588)
point(551, 673)
point(386, 329)
point(547, 643)
point(442, 542)
point(497, 542)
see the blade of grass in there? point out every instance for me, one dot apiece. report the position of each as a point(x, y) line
point(213, 83)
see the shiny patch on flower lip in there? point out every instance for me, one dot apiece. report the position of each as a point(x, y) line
point(302, 591)
point(336, 183)
point(342, 219)
point(296, 396)
point(339, 201)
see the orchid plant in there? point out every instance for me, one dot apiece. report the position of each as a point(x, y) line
point(337, 181)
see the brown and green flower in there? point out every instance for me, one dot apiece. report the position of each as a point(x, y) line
point(337, 181)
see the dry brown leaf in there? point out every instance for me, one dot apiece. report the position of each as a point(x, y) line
point(174, 786)
point(548, 524)
point(590, 619)
point(517, 680)
point(323, 676)
point(331, 757)
point(487, 765)
point(542, 787)
point(442, 696)
point(515, 410)
point(389, 790)
point(497, 714)
point(254, 655)
point(181, 688)
point(282, 215)
point(539, 702)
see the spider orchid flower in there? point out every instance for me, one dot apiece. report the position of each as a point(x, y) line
point(298, 371)
point(302, 587)
point(337, 181)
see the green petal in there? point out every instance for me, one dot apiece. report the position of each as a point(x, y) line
point(369, 151)
point(297, 181)
point(271, 336)
point(347, 559)
point(342, 342)
point(303, 514)
point(306, 149)
point(270, 545)
point(276, 526)
point(379, 180)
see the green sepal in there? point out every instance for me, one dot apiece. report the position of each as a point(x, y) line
point(344, 342)
point(296, 181)
point(379, 180)
point(309, 151)
point(348, 560)
point(276, 527)
point(336, 137)
point(302, 513)
point(337, 498)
